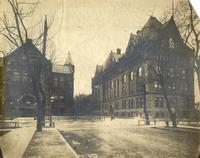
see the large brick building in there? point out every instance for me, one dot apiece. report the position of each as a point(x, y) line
point(20, 99)
point(118, 85)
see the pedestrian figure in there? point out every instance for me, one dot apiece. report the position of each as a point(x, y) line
point(112, 117)
point(167, 123)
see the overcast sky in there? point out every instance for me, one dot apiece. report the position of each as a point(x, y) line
point(90, 29)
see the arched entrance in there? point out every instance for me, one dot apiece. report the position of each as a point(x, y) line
point(27, 104)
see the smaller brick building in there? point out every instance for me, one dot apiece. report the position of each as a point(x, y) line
point(63, 87)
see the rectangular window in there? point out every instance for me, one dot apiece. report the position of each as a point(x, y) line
point(61, 99)
point(24, 76)
point(161, 102)
point(130, 102)
point(55, 81)
point(171, 73)
point(62, 81)
point(156, 102)
point(137, 103)
point(16, 76)
point(183, 72)
point(123, 104)
point(116, 105)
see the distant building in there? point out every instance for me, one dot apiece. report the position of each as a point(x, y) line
point(83, 105)
point(20, 97)
point(63, 87)
point(117, 87)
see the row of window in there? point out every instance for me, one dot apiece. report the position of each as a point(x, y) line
point(19, 76)
point(172, 86)
point(138, 114)
point(171, 73)
point(58, 81)
point(138, 103)
point(58, 99)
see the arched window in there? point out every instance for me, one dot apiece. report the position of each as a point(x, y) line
point(171, 43)
point(140, 72)
point(124, 78)
point(131, 76)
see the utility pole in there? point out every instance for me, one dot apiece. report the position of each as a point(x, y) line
point(45, 36)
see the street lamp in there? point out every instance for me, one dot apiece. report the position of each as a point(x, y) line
point(50, 119)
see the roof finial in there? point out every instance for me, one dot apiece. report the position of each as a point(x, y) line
point(68, 59)
point(172, 7)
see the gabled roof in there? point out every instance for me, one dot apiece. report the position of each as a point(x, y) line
point(153, 22)
point(28, 47)
point(68, 60)
point(170, 28)
point(150, 29)
point(65, 69)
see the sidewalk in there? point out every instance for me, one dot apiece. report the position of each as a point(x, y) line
point(15, 142)
point(49, 144)
point(179, 128)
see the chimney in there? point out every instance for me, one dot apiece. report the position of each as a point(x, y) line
point(118, 51)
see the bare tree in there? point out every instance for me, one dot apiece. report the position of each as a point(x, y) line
point(159, 70)
point(188, 24)
point(17, 33)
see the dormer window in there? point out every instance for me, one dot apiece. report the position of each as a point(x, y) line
point(171, 43)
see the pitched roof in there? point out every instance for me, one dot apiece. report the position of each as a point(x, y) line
point(65, 69)
point(150, 29)
point(68, 60)
point(25, 48)
point(170, 28)
point(152, 22)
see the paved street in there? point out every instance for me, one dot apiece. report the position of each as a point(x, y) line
point(124, 139)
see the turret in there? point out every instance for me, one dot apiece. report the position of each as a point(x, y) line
point(69, 62)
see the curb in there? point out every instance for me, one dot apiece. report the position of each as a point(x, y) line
point(70, 148)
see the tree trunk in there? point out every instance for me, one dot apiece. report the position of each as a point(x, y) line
point(197, 70)
point(39, 114)
point(172, 115)
point(146, 115)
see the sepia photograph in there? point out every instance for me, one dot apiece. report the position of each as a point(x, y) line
point(99, 79)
